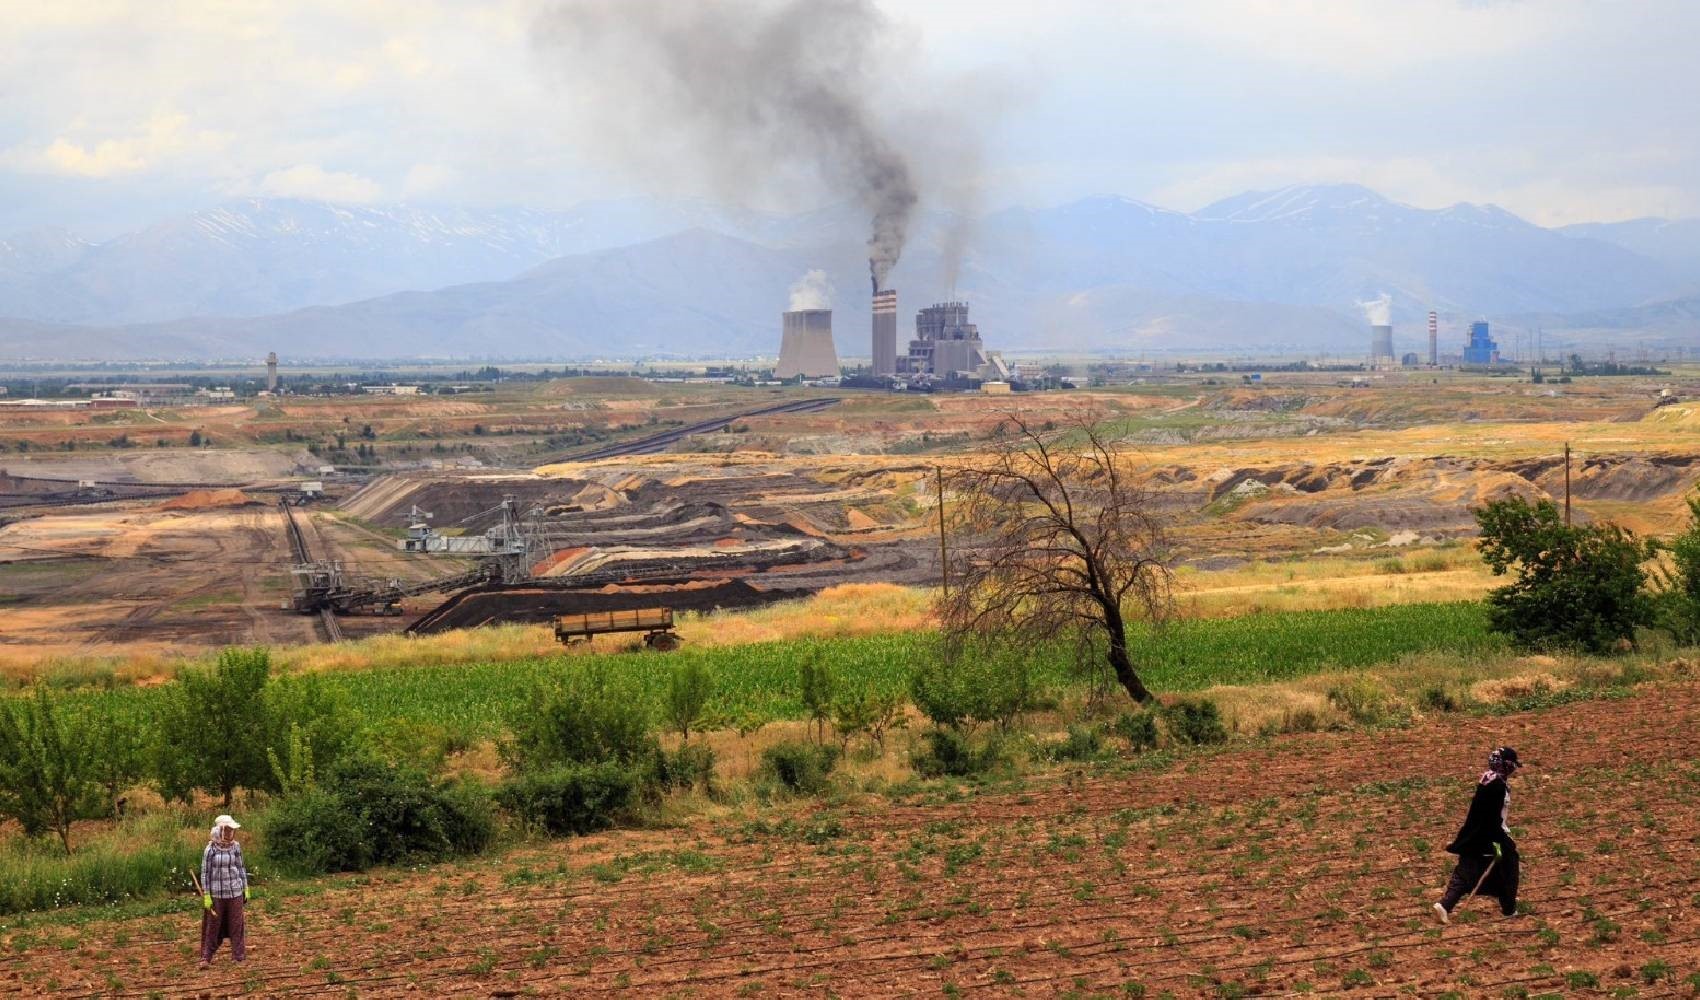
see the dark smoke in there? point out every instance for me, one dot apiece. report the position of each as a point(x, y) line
point(757, 86)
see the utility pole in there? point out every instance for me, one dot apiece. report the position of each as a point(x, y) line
point(1567, 484)
point(944, 561)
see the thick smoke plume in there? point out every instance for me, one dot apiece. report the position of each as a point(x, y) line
point(812, 291)
point(1379, 310)
point(755, 88)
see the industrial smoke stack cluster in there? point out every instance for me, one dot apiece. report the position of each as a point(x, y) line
point(885, 331)
point(805, 345)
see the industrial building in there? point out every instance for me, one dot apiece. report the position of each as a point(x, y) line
point(945, 342)
point(805, 345)
point(1481, 349)
point(885, 332)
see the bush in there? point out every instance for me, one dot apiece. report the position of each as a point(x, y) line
point(370, 812)
point(690, 766)
point(591, 719)
point(1081, 743)
point(949, 752)
point(1437, 698)
point(1577, 586)
point(977, 683)
point(816, 687)
point(1138, 728)
point(572, 798)
point(1195, 721)
point(802, 768)
point(866, 712)
point(1365, 700)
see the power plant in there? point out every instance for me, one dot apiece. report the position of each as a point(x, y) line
point(805, 345)
point(1481, 350)
point(945, 342)
point(885, 331)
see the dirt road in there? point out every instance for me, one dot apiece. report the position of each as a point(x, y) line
point(1307, 865)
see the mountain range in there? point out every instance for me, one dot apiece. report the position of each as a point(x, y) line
point(1262, 272)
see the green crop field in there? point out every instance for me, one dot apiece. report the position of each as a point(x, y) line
point(760, 681)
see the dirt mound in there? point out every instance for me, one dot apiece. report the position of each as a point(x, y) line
point(208, 500)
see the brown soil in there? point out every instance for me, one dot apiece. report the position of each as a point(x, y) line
point(1308, 865)
point(208, 500)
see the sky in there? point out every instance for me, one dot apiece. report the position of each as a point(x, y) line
point(115, 114)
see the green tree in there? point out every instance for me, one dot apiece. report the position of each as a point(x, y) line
point(1683, 596)
point(214, 727)
point(689, 687)
point(121, 757)
point(817, 685)
point(1577, 586)
point(44, 766)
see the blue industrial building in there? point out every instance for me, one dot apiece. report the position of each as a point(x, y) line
point(1481, 350)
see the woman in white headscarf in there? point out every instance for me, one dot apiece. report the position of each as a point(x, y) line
point(224, 890)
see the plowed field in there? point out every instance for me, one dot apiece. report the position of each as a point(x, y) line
point(1308, 864)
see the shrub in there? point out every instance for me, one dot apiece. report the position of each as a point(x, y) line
point(973, 684)
point(1081, 743)
point(572, 798)
point(1195, 721)
point(950, 752)
point(1577, 586)
point(867, 712)
point(1364, 699)
point(1437, 698)
point(1138, 728)
point(690, 766)
point(369, 812)
point(590, 719)
point(305, 715)
point(802, 768)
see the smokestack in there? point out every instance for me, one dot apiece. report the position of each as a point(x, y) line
point(1381, 344)
point(1433, 339)
point(271, 372)
point(805, 345)
point(885, 331)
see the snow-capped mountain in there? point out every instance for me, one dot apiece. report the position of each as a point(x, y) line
point(1260, 271)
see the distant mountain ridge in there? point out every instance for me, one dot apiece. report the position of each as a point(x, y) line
point(1261, 271)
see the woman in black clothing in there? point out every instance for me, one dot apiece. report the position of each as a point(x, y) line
point(1484, 845)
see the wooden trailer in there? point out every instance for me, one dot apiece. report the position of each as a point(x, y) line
point(655, 623)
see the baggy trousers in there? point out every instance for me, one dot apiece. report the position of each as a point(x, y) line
point(224, 920)
point(1501, 883)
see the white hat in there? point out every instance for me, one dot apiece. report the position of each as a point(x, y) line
point(226, 821)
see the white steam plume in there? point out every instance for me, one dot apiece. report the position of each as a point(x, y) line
point(811, 291)
point(1379, 310)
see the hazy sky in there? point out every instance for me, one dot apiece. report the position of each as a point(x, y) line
point(115, 113)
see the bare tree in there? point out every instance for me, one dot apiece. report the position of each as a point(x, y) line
point(1050, 538)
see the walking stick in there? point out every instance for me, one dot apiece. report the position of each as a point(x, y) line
point(1485, 873)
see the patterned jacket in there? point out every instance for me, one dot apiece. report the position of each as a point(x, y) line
point(223, 874)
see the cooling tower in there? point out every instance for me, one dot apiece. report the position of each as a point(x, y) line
point(885, 332)
point(805, 345)
point(1381, 344)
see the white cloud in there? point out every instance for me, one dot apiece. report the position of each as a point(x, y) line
point(426, 178)
point(164, 137)
point(310, 181)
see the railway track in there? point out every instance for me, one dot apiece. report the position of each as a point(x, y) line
point(659, 442)
point(298, 546)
